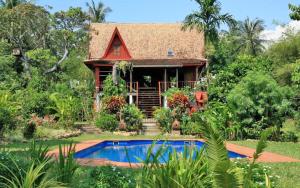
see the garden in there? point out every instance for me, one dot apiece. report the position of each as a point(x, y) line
point(47, 98)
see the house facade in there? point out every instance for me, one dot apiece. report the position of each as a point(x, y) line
point(162, 56)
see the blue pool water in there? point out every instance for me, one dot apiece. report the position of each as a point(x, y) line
point(133, 150)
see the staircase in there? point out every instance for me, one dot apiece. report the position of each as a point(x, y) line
point(148, 98)
point(90, 129)
point(150, 127)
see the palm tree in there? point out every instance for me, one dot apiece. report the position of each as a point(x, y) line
point(208, 19)
point(9, 4)
point(248, 36)
point(97, 12)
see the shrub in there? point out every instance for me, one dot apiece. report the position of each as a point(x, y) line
point(179, 104)
point(164, 117)
point(107, 176)
point(257, 103)
point(67, 107)
point(289, 136)
point(111, 89)
point(133, 117)
point(114, 104)
point(190, 128)
point(107, 122)
point(7, 120)
point(29, 130)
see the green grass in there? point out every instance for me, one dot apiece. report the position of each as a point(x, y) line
point(289, 172)
point(284, 148)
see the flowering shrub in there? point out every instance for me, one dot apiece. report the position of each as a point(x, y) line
point(178, 100)
point(114, 104)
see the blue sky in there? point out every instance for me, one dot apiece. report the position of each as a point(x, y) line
point(153, 11)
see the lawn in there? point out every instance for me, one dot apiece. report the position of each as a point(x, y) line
point(289, 172)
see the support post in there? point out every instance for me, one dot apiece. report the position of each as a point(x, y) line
point(176, 77)
point(197, 73)
point(97, 79)
point(165, 87)
point(130, 89)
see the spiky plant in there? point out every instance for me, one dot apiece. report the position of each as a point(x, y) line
point(66, 165)
point(35, 176)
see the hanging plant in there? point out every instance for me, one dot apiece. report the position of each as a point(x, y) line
point(125, 66)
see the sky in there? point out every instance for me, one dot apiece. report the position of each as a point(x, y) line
point(170, 11)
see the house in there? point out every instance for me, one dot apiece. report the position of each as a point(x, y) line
point(162, 55)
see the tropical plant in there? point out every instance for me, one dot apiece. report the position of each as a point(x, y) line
point(97, 12)
point(258, 102)
point(188, 169)
point(295, 14)
point(66, 165)
point(164, 118)
point(113, 104)
point(38, 153)
point(29, 130)
point(9, 4)
point(132, 116)
point(111, 89)
point(107, 122)
point(66, 107)
point(248, 36)
point(208, 19)
point(34, 176)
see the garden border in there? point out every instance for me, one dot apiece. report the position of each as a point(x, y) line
point(266, 157)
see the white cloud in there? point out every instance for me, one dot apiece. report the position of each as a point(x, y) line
point(277, 33)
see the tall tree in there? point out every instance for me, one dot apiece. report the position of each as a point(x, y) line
point(295, 14)
point(9, 4)
point(247, 36)
point(208, 19)
point(97, 12)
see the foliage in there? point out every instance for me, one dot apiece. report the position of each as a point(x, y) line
point(247, 36)
point(232, 74)
point(107, 176)
point(66, 107)
point(113, 104)
point(66, 165)
point(179, 104)
point(188, 169)
point(296, 74)
point(164, 118)
point(110, 89)
point(258, 102)
point(295, 14)
point(29, 130)
point(208, 19)
point(97, 12)
point(107, 122)
point(289, 136)
point(132, 116)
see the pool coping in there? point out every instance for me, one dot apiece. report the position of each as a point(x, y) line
point(266, 157)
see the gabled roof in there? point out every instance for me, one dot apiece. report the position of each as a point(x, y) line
point(148, 41)
point(116, 35)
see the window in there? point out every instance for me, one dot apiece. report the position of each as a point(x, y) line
point(117, 48)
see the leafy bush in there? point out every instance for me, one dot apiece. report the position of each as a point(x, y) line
point(179, 104)
point(107, 122)
point(7, 120)
point(288, 136)
point(114, 104)
point(164, 118)
point(111, 89)
point(107, 176)
point(258, 174)
point(133, 117)
point(190, 128)
point(257, 103)
point(29, 130)
point(67, 107)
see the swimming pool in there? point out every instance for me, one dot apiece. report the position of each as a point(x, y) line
point(135, 150)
